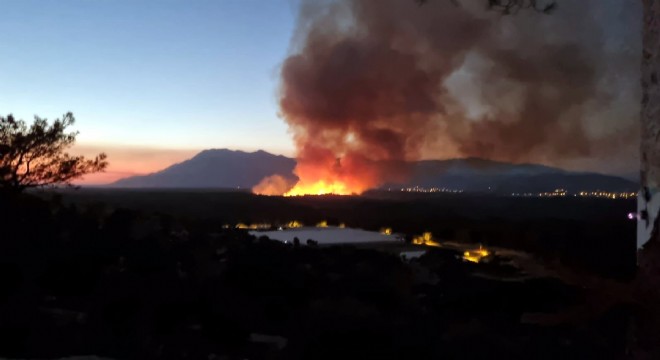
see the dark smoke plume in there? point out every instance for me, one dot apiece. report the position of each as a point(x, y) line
point(384, 81)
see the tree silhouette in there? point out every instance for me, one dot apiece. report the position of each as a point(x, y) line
point(35, 155)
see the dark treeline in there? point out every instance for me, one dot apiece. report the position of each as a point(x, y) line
point(133, 284)
point(587, 233)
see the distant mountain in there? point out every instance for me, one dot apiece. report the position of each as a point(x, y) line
point(216, 168)
point(222, 168)
point(632, 176)
point(480, 175)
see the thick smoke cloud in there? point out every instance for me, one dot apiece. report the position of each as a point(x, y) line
point(381, 82)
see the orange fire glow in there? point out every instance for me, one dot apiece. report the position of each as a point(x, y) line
point(319, 188)
point(324, 171)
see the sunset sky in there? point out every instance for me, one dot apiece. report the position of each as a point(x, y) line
point(150, 82)
point(153, 82)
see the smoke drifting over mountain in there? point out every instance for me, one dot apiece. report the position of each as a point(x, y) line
point(373, 82)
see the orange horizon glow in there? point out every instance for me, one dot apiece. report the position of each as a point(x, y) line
point(128, 161)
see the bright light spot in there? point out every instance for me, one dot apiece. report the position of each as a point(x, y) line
point(293, 224)
point(425, 239)
point(475, 256)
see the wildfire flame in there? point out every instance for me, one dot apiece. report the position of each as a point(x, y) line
point(320, 188)
point(323, 172)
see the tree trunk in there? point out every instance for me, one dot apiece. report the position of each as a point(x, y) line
point(647, 330)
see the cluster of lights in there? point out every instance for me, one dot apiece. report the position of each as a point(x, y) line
point(608, 195)
point(476, 256)
point(293, 224)
point(597, 194)
point(431, 190)
point(252, 226)
point(297, 224)
point(425, 239)
point(556, 193)
point(265, 226)
point(290, 225)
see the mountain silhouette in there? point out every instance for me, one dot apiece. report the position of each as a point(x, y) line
point(222, 168)
point(481, 175)
point(216, 168)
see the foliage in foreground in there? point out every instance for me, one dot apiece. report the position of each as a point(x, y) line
point(35, 155)
point(129, 285)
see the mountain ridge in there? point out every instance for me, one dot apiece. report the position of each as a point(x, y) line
point(224, 168)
